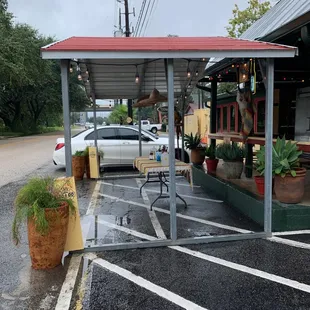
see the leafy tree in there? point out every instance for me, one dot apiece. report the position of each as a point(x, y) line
point(99, 120)
point(119, 115)
point(243, 19)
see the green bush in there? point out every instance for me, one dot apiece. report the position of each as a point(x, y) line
point(230, 152)
point(192, 141)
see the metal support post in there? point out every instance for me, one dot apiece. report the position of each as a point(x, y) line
point(95, 119)
point(140, 138)
point(64, 65)
point(172, 186)
point(268, 148)
point(213, 109)
point(183, 127)
point(129, 107)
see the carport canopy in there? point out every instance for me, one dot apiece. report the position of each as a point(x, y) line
point(173, 65)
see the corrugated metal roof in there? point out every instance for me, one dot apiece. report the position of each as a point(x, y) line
point(279, 15)
point(167, 44)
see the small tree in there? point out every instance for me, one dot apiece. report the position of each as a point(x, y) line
point(242, 20)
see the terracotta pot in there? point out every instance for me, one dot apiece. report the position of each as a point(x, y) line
point(197, 156)
point(212, 165)
point(290, 189)
point(78, 167)
point(233, 169)
point(46, 251)
point(260, 184)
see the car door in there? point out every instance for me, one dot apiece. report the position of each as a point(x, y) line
point(109, 143)
point(129, 139)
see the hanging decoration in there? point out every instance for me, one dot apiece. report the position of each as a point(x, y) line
point(178, 128)
point(244, 98)
point(253, 76)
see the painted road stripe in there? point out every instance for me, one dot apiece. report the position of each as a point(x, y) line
point(255, 272)
point(93, 201)
point(65, 295)
point(155, 222)
point(160, 291)
point(154, 191)
point(288, 242)
point(291, 233)
point(195, 219)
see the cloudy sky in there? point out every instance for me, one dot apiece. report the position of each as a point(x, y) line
point(65, 18)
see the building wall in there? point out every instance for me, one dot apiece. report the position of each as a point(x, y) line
point(199, 122)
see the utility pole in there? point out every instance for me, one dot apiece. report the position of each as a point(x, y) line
point(127, 33)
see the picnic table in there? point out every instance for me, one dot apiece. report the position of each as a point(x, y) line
point(150, 168)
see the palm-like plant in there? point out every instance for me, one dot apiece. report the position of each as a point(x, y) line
point(210, 152)
point(192, 141)
point(285, 157)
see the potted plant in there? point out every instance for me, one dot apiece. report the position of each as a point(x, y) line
point(211, 160)
point(78, 165)
point(193, 142)
point(289, 177)
point(45, 207)
point(259, 166)
point(232, 155)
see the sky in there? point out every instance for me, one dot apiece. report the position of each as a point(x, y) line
point(65, 18)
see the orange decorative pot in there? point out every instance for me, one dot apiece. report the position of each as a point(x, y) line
point(290, 189)
point(78, 167)
point(46, 251)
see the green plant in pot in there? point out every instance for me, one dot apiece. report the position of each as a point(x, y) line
point(78, 165)
point(193, 143)
point(232, 156)
point(44, 205)
point(211, 160)
point(289, 177)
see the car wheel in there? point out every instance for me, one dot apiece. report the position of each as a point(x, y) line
point(154, 130)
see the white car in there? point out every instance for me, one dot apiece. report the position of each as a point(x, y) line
point(120, 145)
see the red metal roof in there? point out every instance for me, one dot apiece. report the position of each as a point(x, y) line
point(106, 44)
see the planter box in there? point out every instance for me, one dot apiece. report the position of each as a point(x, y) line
point(284, 217)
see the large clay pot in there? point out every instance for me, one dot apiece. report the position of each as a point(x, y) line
point(46, 251)
point(211, 165)
point(78, 167)
point(197, 156)
point(290, 189)
point(233, 169)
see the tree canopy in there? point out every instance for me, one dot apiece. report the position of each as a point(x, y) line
point(30, 87)
point(243, 19)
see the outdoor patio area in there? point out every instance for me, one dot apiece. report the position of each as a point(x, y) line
point(121, 214)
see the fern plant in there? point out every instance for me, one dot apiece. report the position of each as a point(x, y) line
point(32, 200)
point(230, 152)
point(192, 141)
point(285, 157)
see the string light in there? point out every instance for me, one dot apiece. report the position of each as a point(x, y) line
point(303, 81)
point(71, 68)
point(203, 59)
point(137, 77)
point(188, 70)
point(80, 77)
point(177, 101)
point(86, 72)
point(233, 66)
point(197, 73)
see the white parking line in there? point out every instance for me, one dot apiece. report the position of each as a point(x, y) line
point(291, 233)
point(65, 295)
point(155, 191)
point(289, 242)
point(155, 222)
point(225, 263)
point(158, 290)
point(195, 219)
point(93, 201)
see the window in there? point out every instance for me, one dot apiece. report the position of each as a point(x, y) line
point(225, 118)
point(128, 134)
point(261, 116)
point(145, 123)
point(232, 118)
point(218, 119)
point(103, 134)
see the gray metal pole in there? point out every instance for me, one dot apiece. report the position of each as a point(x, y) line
point(172, 187)
point(140, 140)
point(64, 65)
point(268, 148)
point(183, 127)
point(95, 119)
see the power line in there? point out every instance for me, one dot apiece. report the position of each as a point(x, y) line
point(140, 17)
point(150, 16)
point(147, 9)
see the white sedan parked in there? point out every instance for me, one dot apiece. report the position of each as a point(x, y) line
point(120, 145)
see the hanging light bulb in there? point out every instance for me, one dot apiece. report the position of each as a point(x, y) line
point(86, 72)
point(137, 77)
point(71, 68)
point(177, 101)
point(203, 59)
point(188, 70)
point(197, 73)
point(80, 77)
point(87, 80)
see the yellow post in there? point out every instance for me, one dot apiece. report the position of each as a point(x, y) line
point(93, 162)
